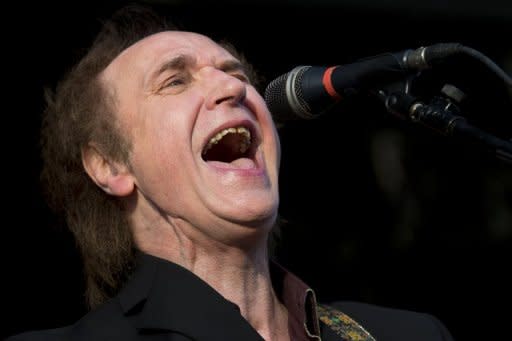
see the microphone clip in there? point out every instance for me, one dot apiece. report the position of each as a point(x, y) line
point(442, 114)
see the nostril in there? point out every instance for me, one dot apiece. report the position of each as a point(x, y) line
point(220, 100)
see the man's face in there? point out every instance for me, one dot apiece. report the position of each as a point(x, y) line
point(205, 149)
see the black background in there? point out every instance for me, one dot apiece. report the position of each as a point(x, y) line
point(436, 236)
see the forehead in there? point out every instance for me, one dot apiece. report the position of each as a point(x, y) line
point(152, 50)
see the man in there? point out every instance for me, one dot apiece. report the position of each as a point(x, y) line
point(165, 160)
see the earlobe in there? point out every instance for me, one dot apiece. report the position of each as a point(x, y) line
point(112, 177)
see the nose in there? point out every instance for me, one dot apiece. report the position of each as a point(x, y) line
point(224, 88)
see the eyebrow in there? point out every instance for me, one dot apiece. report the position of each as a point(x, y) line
point(232, 65)
point(181, 62)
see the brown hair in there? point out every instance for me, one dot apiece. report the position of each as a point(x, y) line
point(80, 111)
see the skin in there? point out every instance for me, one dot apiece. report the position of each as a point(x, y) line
point(172, 91)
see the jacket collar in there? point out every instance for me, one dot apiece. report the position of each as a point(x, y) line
point(162, 295)
point(300, 301)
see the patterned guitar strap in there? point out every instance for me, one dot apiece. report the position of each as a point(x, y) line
point(342, 324)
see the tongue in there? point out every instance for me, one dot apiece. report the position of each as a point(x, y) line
point(243, 163)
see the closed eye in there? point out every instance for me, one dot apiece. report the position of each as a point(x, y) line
point(241, 77)
point(174, 82)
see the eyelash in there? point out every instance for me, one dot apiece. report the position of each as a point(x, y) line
point(171, 82)
point(241, 77)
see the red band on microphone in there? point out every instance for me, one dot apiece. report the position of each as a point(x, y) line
point(326, 80)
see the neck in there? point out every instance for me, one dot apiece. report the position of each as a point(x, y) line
point(244, 279)
point(239, 274)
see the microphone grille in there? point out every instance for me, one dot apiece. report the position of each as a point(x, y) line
point(275, 97)
point(284, 96)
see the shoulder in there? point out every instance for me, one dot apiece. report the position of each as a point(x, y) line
point(104, 323)
point(385, 323)
point(42, 335)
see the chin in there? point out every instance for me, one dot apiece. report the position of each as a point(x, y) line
point(257, 216)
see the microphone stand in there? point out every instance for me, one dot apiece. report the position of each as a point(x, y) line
point(442, 115)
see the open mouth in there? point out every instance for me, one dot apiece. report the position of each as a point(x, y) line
point(230, 144)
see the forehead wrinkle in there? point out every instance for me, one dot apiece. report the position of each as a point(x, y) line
point(184, 61)
point(185, 56)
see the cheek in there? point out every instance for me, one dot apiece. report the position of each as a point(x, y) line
point(166, 153)
point(278, 149)
point(159, 134)
point(158, 149)
point(161, 173)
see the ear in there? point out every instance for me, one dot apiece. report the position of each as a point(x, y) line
point(112, 177)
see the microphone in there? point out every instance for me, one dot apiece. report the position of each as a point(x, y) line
point(307, 91)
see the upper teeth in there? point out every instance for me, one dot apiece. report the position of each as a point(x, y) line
point(244, 145)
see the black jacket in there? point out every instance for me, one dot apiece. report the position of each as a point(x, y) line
point(163, 301)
